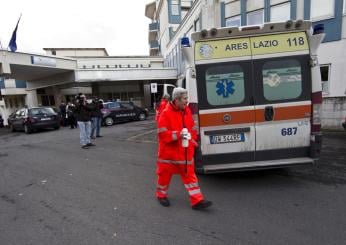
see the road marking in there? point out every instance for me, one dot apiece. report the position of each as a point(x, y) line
point(133, 138)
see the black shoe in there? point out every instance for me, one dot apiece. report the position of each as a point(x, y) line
point(92, 137)
point(99, 136)
point(90, 144)
point(164, 201)
point(202, 205)
point(85, 146)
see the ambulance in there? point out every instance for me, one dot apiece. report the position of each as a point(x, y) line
point(255, 93)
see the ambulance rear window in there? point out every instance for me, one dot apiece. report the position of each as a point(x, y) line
point(225, 85)
point(282, 79)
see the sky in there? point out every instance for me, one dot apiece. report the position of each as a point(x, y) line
point(120, 26)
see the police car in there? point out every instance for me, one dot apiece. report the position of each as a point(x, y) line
point(120, 111)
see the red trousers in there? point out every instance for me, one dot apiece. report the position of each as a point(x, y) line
point(165, 172)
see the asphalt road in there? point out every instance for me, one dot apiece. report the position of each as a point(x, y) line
point(54, 192)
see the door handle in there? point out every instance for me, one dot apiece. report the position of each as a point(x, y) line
point(269, 113)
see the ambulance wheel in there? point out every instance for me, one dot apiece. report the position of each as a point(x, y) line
point(109, 121)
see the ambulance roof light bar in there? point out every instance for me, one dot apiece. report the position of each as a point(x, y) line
point(267, 28)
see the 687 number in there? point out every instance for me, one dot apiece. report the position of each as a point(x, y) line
point(288, 131)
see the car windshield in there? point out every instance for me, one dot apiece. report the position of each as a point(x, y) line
point(41, 111)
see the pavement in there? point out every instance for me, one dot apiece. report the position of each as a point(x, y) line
point(54, 192)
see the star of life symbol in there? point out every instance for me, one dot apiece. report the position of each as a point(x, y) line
point(224, 88)
point(206, 50)
point(273, 80)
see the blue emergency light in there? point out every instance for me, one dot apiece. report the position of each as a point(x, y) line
point(185, 42)
point(318, 29)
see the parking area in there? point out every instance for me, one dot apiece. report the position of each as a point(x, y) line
point(53, 192)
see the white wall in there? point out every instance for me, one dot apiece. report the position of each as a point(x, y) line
point(334, 53)
point(78, 52)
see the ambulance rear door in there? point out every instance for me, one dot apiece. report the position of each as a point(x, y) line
point(283, 107)
point(226, 113)
point(282, 77)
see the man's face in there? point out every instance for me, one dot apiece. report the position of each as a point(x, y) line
point(182, 102)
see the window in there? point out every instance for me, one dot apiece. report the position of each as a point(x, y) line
point(252, 5)
point(175, 7)
point(255, 17)
point(225, 85)
point(322, 9)
point(232, 13)
point(282, 80)
point(127, 106)
point(325, 74)
point(281, 12)
point(110, 105)
point(232, 9)
point(40, 111)
point(233, 21)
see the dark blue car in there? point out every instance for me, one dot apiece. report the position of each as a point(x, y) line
point(32, 119)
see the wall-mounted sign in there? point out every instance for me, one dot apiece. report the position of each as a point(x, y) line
point(153, 88)
point(44, 61)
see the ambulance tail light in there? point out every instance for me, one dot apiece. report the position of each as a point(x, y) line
point(194, 111)
point(316, 112)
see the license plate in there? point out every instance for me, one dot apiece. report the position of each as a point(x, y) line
point(45, 119)
point(230, 138)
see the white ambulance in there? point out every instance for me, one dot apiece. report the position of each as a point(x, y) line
point(256, 95)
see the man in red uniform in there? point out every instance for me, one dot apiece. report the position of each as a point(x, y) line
point(176, 150)
point(161, 106)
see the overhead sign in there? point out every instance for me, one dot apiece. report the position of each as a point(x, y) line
point(153, 88)
point(237, 47)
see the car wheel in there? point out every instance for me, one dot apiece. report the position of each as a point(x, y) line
point(142, 116)
point(109, 121)
point(27, 130)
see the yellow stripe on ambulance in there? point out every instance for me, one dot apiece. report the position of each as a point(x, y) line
point(238, 47)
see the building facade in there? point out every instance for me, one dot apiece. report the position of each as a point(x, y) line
point(174, 19)
point(91, 71)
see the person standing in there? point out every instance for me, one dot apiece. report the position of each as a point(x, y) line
point(177, 136)
point(161, 106)
point(70, 115)
point(83, 113)
point(96, 118)
point(62, 108)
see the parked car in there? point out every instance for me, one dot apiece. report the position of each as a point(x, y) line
point(31, 119)
point(1, 122)
point(344, 123)
point(114, 112)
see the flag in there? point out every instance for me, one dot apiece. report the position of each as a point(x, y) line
point(12, 44)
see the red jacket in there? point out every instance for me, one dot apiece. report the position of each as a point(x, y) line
point(162, 105)
point(171, 122)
